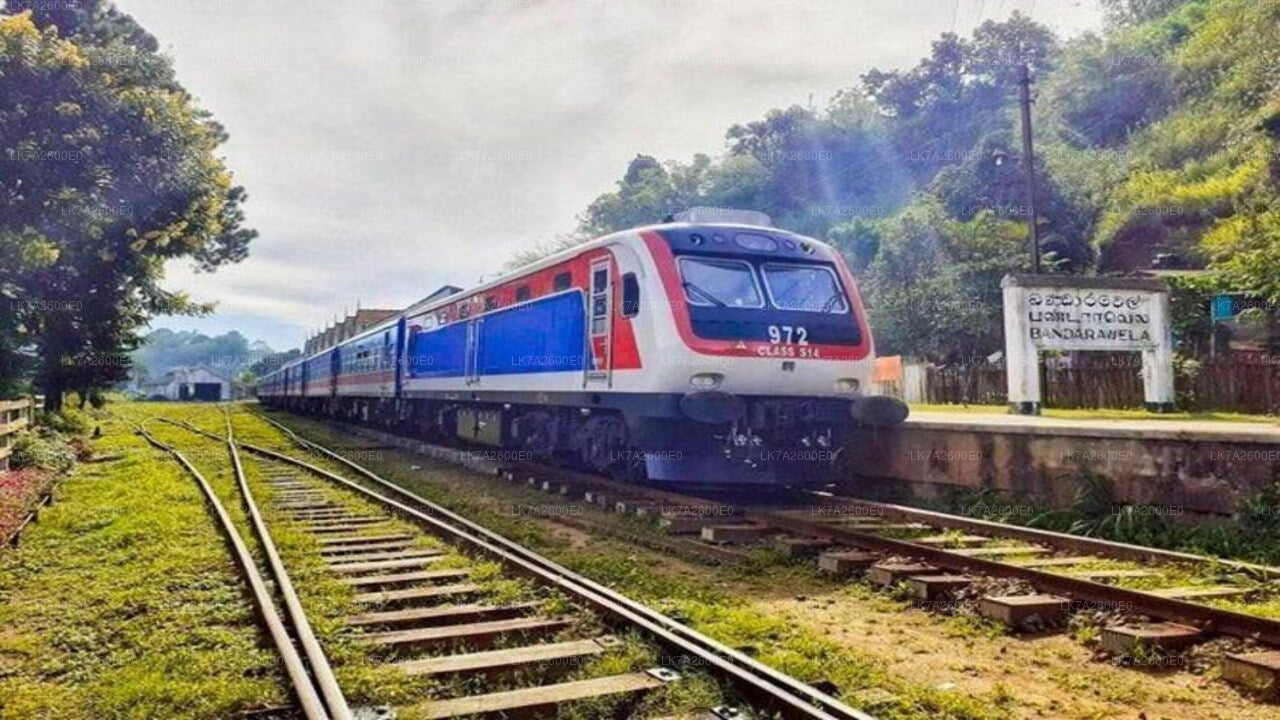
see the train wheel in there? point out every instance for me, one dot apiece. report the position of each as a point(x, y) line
point(603, 442)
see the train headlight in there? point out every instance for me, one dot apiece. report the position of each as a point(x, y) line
point(848, 385)
point(706, 381)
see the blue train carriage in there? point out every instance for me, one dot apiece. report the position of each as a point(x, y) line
point(694, 351)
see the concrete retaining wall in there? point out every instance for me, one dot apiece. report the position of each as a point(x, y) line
point(1198, 467)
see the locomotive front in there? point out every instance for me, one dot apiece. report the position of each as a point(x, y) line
point(770, 344)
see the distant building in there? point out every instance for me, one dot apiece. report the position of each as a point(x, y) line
point(188, 383)
point(348, 327)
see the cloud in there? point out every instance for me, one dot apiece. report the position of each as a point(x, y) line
point(390, 146)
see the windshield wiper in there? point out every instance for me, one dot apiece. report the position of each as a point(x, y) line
point(830, 303)
point(706, 295)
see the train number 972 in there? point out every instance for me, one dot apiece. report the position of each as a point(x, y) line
point(788, 335)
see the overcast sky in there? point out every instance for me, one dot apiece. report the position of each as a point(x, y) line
point(391, 146)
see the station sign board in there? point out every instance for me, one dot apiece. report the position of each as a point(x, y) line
point(1067, 312)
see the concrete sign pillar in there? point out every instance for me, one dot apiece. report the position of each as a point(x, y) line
point(1066, 312)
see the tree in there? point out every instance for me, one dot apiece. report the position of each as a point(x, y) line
point(992, 180)
point(942, 106)
point(648, 192)
point(934, 285)
point(108, 172)
point(1135, 12)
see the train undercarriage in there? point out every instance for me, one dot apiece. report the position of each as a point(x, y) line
point(699, 439)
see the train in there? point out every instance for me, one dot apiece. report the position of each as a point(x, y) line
point(711, 348)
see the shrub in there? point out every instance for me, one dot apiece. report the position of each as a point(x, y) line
point(19, 492)
point(65, 422)
point(43, 450)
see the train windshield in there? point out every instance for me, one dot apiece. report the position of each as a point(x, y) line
point(807, 288)
point(720, 283)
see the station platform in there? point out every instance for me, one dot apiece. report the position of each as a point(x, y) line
point(1178, 429)
point(1181, 467)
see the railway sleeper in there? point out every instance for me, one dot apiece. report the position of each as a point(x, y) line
point(536, 701)
point(936, 587)
point(1258, 671)
point(475, 634)
point(885, 574)
point(441, 614)
point(333, 551)
point(1162, 636)
point(378, 565)
point(342, 561)
point(340, 540)
point(845, 562)
point(564, 654)
point(392, 580)
point(389, 598)
point(800, 548)
point(1025, 611)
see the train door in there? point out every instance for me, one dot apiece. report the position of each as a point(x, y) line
point(599, 360)
point(384, 364)
point(472, 369)
point(400, 367)
point(335, 367)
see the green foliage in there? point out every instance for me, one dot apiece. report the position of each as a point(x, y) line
point(66, 422)
point(935, 282)
point(109, 171)
point(124, 604)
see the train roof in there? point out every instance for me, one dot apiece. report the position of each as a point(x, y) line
point(437, 300)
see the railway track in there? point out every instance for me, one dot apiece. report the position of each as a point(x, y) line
point(1150, 603)
point(429, 617)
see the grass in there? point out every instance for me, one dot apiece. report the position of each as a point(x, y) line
point(1251, 534)
point(1098, 413)
point(123, 602)
point(365, 676)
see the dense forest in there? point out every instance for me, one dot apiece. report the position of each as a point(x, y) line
point(1156, 147)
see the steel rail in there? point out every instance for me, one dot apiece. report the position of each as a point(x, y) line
point(321, 671)
point(1228, 622)
point(1066, 541)
point(763, 684)
point(312, 706)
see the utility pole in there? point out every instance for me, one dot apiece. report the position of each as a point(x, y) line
point(1029, 166)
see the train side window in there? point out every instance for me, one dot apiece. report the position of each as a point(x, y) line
point(561, 282)
point(490, 302)
point(630, 295)
point(464, 309)
point(523, 293)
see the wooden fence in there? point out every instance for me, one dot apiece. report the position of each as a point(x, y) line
point(14, 416)
point(1224, 386)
